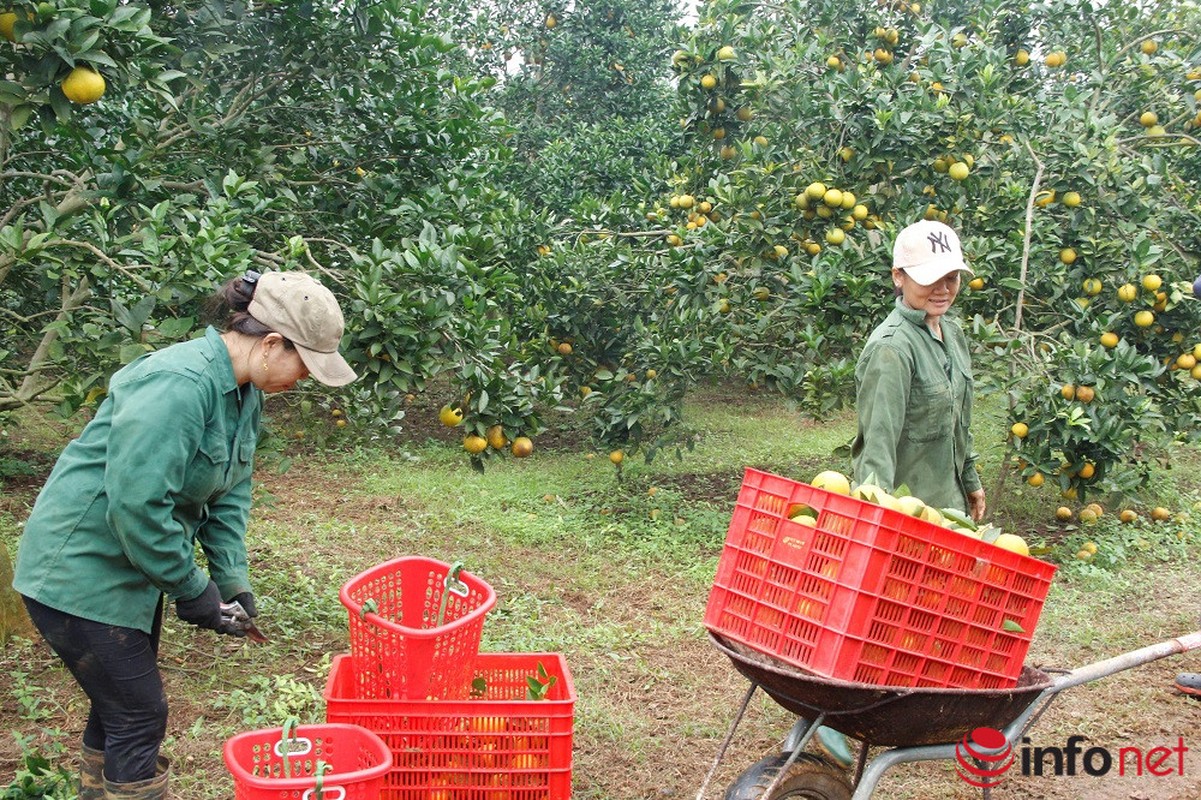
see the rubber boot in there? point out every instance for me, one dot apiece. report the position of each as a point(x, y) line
point(91, 774)
point(1189, 683)
point(835, 745)
point(150, 789)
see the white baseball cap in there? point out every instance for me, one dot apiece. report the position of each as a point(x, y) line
point(928, 250)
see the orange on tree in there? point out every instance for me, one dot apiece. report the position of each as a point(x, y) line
point(475, 444)
point(1152, 282)
point(1067, 255)
point(1127, 292)
point(1019, 430)
point(450, 416)
point(1148, 119)
point(1085, 394)
point(1068, 391)
point(522, 447)
point(1071, 199)
point(8, 21)
point(83, 85)
point(1144, 318)
point(496, 437)
point(565, 348)
point(617, 457)
point(1036, 480)
point(1110, 339)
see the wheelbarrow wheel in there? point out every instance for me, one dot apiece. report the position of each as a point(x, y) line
point(809, 778)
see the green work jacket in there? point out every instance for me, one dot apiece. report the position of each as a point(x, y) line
point(914, 402)
point(163, 466)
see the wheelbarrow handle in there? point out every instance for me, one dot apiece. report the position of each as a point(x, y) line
point(1125, 661)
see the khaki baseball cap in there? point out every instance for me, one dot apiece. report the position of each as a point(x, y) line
point(305, 313)
point(928, 250)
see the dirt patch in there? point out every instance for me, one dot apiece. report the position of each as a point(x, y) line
point(653, 704)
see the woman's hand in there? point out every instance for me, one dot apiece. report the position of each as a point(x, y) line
point(976, 505)
point(203, 610)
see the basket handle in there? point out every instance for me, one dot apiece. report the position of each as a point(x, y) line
point(318, 792)
point(289, 744)
point(451, 585)
point(333, 793)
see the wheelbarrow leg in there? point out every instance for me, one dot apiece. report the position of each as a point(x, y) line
point(721, 751)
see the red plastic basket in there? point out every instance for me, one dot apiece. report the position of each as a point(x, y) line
point(870, 594)
point(273, 765)
point(400, 649)
point(499, 746)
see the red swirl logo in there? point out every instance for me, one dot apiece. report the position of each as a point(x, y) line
point(983, 757)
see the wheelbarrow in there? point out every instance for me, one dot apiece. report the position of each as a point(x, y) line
point(918, 724)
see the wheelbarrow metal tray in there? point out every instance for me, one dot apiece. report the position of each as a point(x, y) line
point(886, 715)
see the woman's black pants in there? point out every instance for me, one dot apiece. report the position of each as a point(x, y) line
point(117, 668)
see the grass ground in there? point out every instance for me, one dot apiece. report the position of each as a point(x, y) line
point(613, 570)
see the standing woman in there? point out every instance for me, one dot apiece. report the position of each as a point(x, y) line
point(163, 466)
point(914, 380)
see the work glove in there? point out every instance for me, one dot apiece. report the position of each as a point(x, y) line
point(246, 600)
point(203, 610)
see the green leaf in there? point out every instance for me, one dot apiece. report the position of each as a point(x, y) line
point(1011, 626)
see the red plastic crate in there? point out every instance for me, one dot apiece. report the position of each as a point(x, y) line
point(870, 594)
point(400, 649)
point(269, 765)
point(500, 746)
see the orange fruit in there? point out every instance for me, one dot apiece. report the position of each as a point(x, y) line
point(1160, 514)
point(496, 437)
point(475, 444)
point(1068, 391)
point(617, 456)
point(1036, 480)
point(1019, 430)
point(522, 447)
point(450, 416)
point(832, 481)
point(1085, 394)
point(83, 85)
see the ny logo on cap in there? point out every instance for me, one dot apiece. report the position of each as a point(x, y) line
point(939, 242)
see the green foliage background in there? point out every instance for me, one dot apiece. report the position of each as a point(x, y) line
point(481, 185)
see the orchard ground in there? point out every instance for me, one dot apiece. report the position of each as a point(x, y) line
point(614, 574)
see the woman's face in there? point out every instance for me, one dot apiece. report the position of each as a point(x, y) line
point(280, 367)
point(934, 299)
